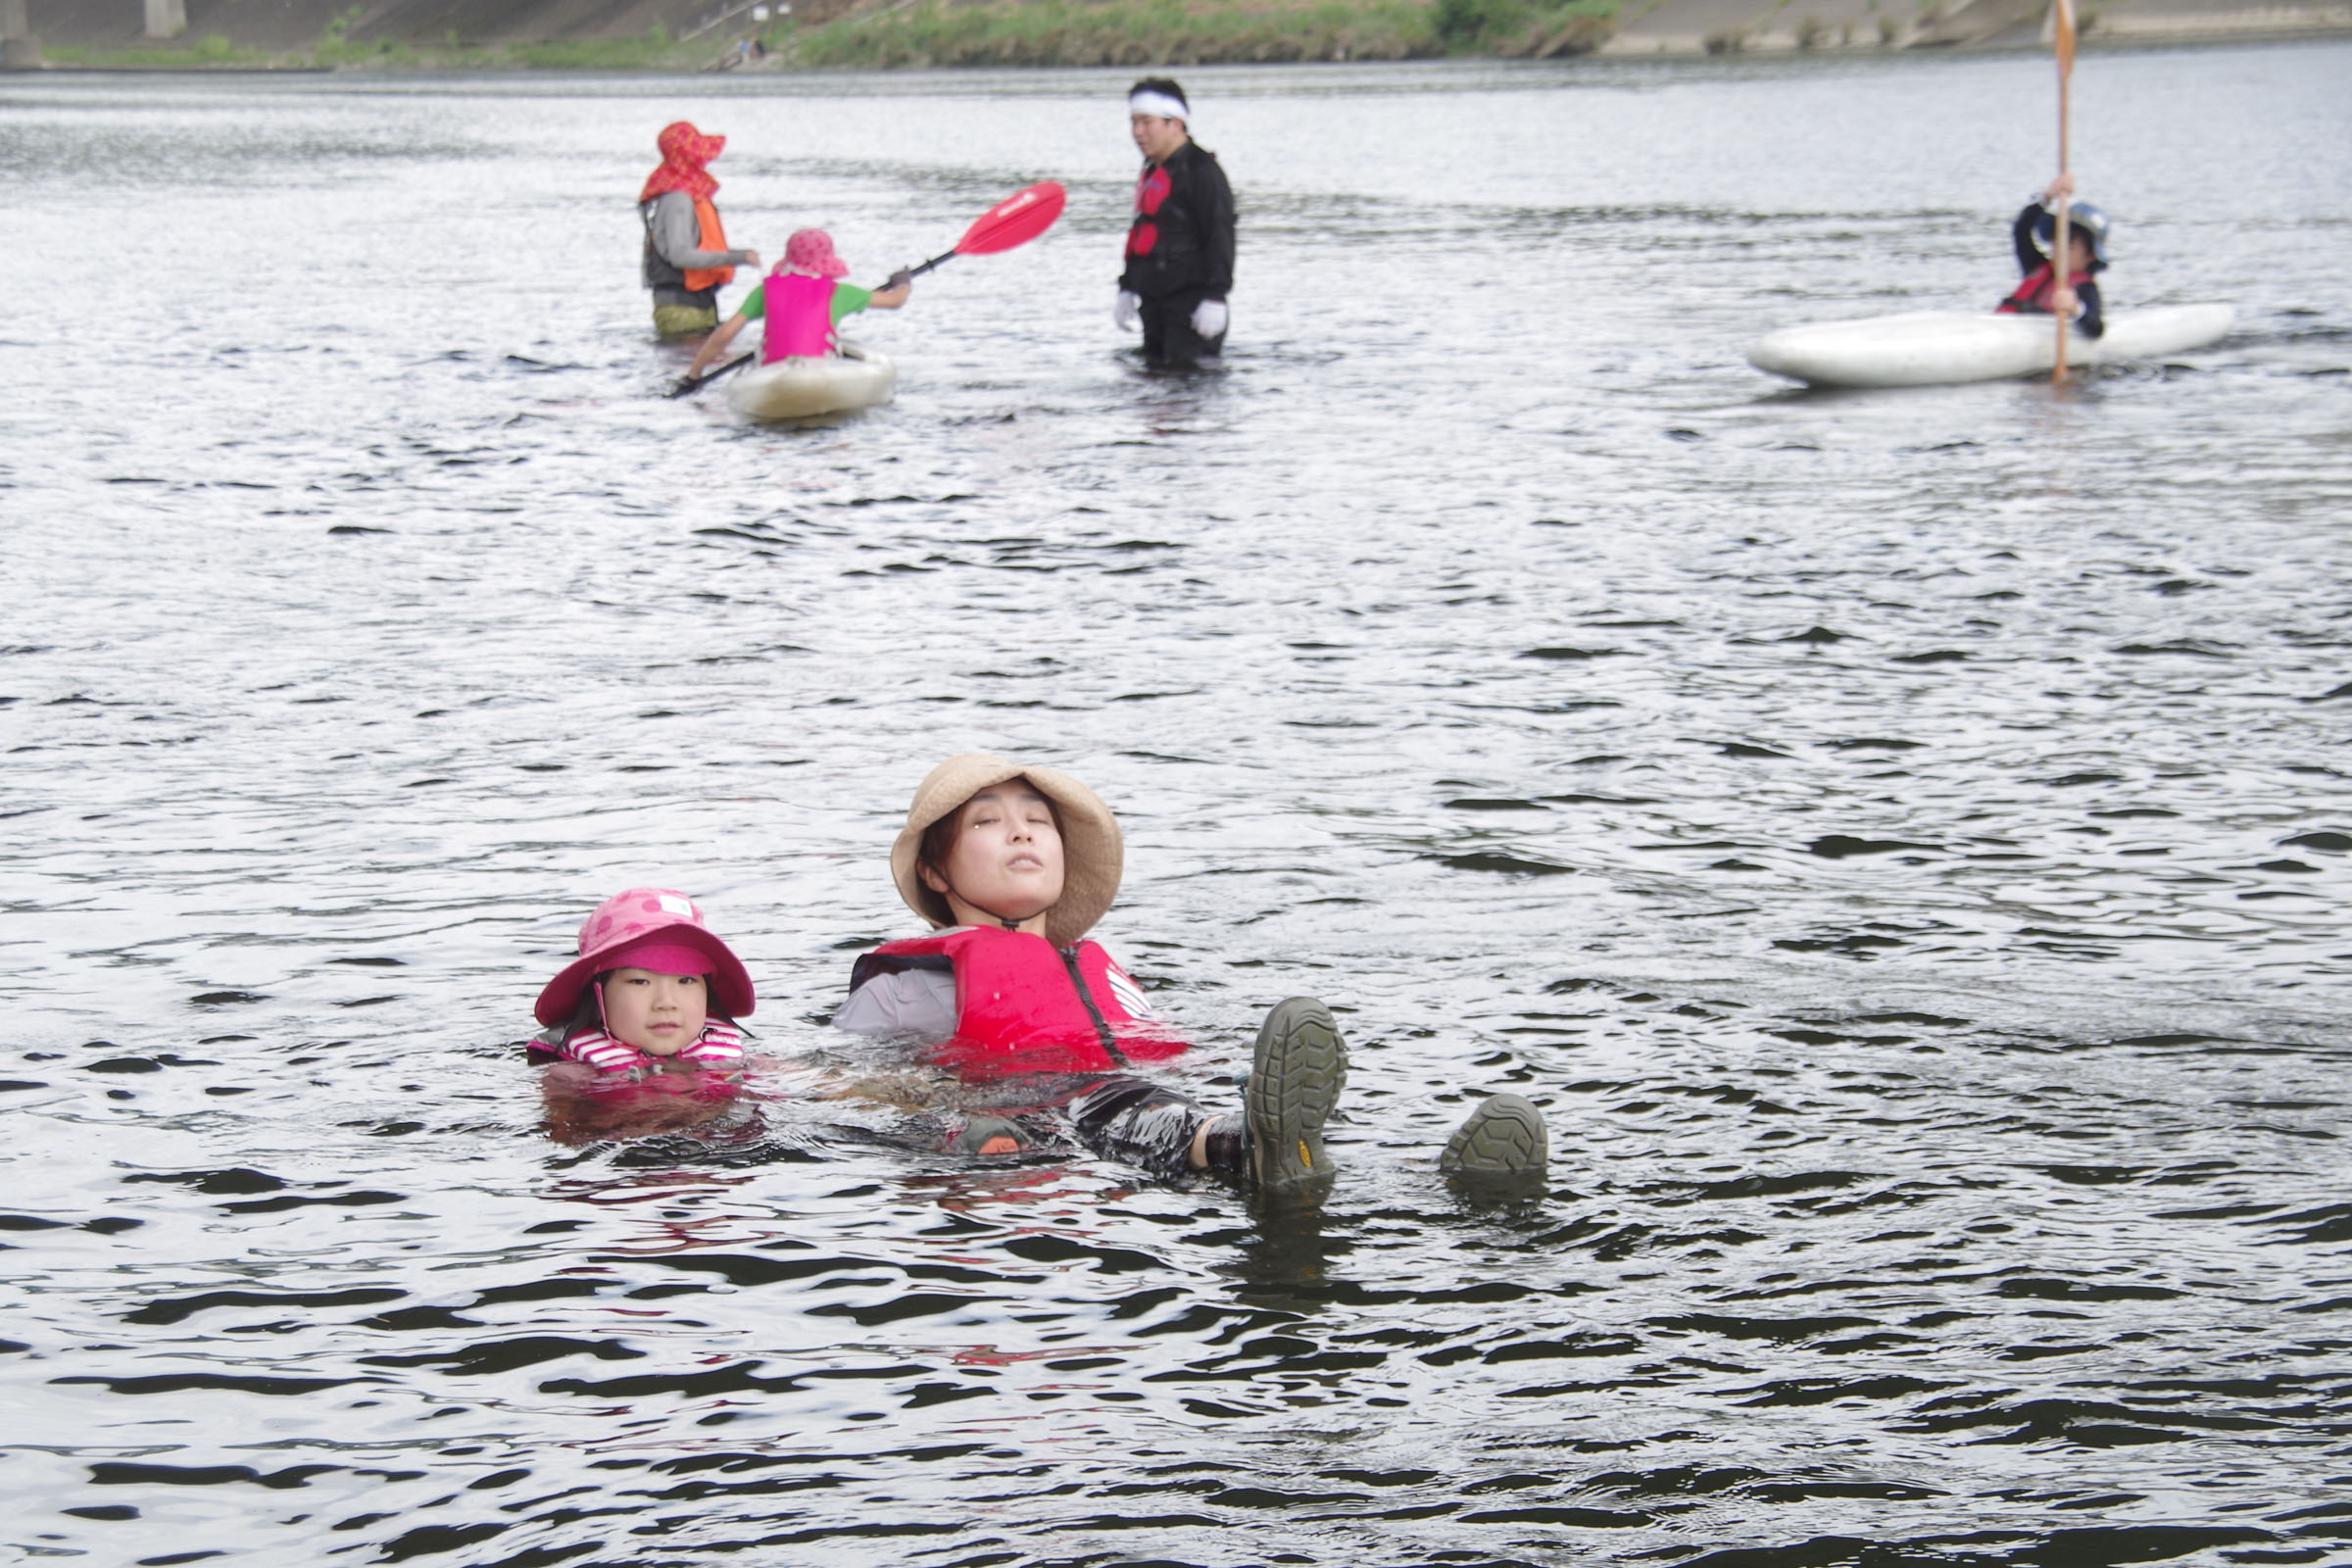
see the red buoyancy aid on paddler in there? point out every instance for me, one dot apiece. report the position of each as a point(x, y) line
point(1023, 1005)
point(796, 318)
point(2035, 291)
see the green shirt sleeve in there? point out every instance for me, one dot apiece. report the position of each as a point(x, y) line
point(755, 304)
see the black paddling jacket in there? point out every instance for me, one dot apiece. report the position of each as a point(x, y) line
point(2033, 296)
point(1180, 241)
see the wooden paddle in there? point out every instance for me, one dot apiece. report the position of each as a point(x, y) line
point(1015, 220)
point(2062, 24)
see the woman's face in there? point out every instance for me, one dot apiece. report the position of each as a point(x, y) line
point(661, 1015)
point(1008, 855)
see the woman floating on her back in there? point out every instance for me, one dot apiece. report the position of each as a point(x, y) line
point(1013, 865)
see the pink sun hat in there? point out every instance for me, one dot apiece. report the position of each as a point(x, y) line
point(648, 928)
point(810, 251)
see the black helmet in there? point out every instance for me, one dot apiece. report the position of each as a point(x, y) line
point(2082, 219)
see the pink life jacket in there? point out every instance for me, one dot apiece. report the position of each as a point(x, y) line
point(798, 317)
point(1022, 1005)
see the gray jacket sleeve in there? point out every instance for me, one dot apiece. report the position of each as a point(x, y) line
point(910, 1002)
point(677, 236)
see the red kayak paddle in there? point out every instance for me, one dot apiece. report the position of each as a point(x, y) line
point(1015, 220)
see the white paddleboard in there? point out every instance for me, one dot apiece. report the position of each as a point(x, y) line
point(800, 389)
point(1923, 348)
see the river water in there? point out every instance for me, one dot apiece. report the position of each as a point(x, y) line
point(1899, 840)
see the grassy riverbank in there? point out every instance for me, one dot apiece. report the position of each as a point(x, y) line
point(1152, 32)
point(651, 51)
point(961, 33)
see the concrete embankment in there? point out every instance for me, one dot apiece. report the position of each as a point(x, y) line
point(1728, 26)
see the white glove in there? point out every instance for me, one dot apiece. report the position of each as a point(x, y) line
point(1128, 313)
point(1208, 319)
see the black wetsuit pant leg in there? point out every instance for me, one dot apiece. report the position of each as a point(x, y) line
point(1136, 1120)
point(1168, 336)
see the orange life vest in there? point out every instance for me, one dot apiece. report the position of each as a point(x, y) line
point(709, 236)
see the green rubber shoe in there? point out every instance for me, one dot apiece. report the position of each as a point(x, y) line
point(1295, 1073)
point(1503, 1138)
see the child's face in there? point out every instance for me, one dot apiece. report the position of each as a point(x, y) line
point(1007, 854)
point(2079, 248)
point(661, 1015)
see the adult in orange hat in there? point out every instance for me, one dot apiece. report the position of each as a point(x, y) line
point(686, 254)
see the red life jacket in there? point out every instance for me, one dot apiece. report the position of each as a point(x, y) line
point(796, 318)
point(1025, 1006)
point(2033, 295)
point(1150, 194)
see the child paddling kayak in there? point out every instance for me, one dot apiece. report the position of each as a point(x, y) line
point(2042, 292)
point(801, 303)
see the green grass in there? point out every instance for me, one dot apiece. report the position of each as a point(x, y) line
point(981, 33)
point(1169, 32)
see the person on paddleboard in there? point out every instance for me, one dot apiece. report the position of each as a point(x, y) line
point(686, 254)
point(801, 303)
point(2042, 292)
point(1180, 243)
point(1013, 865)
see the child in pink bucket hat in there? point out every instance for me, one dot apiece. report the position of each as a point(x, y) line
point(652, 985)
point(801, 303)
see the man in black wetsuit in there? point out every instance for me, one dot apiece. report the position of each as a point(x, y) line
point(1180, 246)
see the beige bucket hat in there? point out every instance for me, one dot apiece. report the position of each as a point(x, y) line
point(1093, 851)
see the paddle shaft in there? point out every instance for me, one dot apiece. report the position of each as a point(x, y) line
point(695, 383)
point(2061, 256)
point(944, 256)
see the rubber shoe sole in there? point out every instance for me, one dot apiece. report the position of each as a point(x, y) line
point(1295, 1073)
point(1504, 1137)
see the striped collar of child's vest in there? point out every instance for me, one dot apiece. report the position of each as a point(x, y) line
point(719, 1042)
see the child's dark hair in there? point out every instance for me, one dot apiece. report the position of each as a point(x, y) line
point(1161, 85)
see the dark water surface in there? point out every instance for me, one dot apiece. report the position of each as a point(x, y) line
point(1900, 840)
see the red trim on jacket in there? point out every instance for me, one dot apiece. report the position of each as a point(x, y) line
point(1025, 1006)
point(2034, 292)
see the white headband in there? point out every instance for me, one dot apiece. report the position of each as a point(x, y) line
point(1158, 103)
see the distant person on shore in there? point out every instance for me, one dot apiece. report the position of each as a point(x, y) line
point(2043, 293)
point(686, 254)
point(1180, 244)
point(801, 303)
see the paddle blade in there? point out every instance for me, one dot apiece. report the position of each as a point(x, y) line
point(2062, 33)
point(1015, 220)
